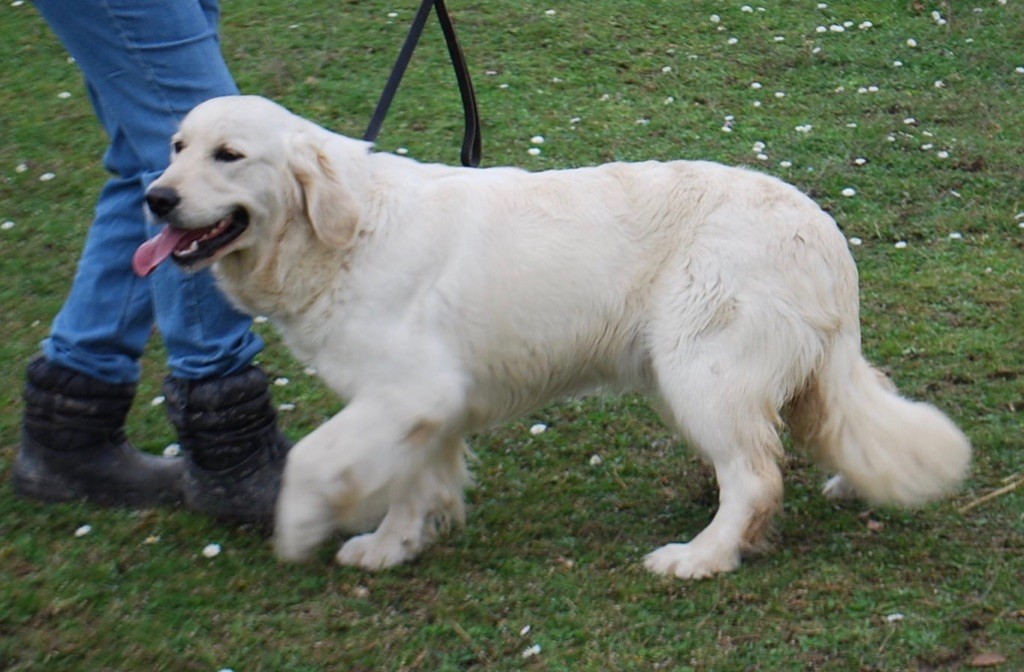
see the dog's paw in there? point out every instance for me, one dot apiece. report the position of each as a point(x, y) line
point(376, 551)
point(838, 489)
point(689, 561)
point(302, 522)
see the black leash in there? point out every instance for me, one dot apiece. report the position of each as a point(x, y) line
point(471, 137)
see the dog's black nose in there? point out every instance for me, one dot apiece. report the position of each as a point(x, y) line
point(161, 200)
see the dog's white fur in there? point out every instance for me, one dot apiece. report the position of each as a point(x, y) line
point(441, 300)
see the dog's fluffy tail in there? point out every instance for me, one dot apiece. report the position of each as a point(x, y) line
point(887, 449)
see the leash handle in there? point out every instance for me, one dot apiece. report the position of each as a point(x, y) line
point(471, 140)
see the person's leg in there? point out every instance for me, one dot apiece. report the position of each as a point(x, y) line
point(147, 65)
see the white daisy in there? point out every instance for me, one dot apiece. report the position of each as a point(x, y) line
point(531, 651)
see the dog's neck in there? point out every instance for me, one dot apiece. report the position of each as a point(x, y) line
point(281, 290)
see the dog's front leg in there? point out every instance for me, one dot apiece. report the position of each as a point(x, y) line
point(430, 506)
point(375, 463)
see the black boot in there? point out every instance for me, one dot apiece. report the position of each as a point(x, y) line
point(234, 452)
point(73, 444)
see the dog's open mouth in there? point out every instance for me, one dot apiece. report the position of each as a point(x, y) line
point(189, 247)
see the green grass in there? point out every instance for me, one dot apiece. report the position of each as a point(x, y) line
point(553, 542)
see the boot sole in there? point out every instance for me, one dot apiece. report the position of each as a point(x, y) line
point(58, 490)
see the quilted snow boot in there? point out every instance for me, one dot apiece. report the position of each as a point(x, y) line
point(234, 452)
point(73, 444)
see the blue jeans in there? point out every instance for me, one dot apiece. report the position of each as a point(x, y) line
point(146, 64)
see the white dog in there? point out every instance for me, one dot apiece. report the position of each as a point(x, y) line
point(441, 300)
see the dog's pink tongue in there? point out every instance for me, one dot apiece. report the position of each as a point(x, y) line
point(156, 249)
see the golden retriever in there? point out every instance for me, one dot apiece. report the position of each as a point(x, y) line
point(439, 301)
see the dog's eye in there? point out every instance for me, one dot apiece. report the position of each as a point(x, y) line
point(226, 155)
point(177, 146)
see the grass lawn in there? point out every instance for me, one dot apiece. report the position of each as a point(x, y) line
point(913, 109)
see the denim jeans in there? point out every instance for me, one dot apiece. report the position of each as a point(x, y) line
point(146, 64)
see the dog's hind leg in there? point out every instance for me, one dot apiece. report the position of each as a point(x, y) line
point(728, 417)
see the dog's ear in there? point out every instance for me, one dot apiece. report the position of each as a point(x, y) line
point(330, 207)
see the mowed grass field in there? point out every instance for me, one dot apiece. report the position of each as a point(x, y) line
point(904, 119)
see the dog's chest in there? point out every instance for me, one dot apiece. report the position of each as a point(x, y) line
point(345, 353)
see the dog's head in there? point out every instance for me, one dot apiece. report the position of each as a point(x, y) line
point(244, 174)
